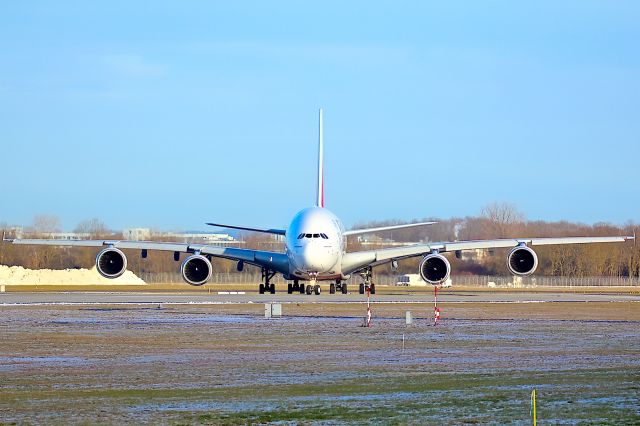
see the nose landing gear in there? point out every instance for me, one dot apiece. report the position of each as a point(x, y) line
point(366, 284)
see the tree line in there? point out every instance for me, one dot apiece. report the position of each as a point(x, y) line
point(497, 220)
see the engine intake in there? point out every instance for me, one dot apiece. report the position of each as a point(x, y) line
point(522, 261)
point(435, 269)
point(111, 263)
point(196, 269)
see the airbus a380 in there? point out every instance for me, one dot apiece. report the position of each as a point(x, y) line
point(315, 250)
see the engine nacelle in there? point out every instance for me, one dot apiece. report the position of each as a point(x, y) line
point(196, 269)
point(111, 263)
point(522, 261)
point(435, 269)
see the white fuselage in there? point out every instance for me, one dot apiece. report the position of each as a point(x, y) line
point(315, 244)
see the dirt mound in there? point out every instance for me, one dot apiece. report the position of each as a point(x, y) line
point(17, 275)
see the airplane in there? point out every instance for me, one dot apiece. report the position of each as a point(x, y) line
point(315, 250)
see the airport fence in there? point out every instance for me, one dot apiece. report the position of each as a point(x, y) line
point(385, 279)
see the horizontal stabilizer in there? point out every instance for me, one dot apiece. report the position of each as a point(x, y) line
point(244, 228)
point(385, 228)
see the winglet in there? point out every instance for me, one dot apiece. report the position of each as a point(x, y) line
point(320, 193)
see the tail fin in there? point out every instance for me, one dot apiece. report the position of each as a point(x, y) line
point(320, 194)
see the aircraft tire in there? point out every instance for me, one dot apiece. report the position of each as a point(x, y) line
point(309, 289)
point(261, 289)
point(361, 290)
point(344, 288)
point(272, 289)
point(316, 289)
point(373, 289)
point(302, 289)
point(332, 289)
point(289, 288)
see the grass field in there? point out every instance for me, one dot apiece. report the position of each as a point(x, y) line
point(224, 364)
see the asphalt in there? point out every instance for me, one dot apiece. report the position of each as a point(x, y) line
point(80, 298)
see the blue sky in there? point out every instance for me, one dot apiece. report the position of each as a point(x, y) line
point(171, 114)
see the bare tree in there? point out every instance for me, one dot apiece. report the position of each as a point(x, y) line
point(502, 218)
point(46, 223)
point(94, 227)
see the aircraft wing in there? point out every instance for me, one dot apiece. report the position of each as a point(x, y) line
point(355, 261)
point(385, 228)
point(272, 260)
point(246, 228)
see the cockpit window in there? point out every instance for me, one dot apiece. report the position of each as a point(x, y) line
point(324, 236)
point(307, 235)
point(301, 236)
point(316, 235)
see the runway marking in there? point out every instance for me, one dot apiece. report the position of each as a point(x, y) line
point(15, 304)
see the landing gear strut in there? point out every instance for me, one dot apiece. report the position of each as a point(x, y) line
point(267, 287)
point(366, 283)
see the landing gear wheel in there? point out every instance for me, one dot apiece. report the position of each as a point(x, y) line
point(361, 288)
point(296, 286)
point(289, 288)
point(301, 289)
point(332, 289)
point(309, 289)
point(272, 289)
point(316, 289)
point(261, 289)
point(344, 288)
point(373, 288)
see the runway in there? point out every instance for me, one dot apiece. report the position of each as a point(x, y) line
point(140, 298)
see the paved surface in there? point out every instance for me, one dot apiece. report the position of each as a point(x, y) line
point(203, 298)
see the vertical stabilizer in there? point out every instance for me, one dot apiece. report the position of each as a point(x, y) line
point(320, 195)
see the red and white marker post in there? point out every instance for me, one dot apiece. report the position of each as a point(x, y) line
point(368, 320)
point(436, 310)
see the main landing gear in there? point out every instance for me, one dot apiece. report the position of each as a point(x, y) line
point(339, 286)
point(366, 283)
point(267, 287)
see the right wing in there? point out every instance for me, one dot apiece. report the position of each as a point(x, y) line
point(272, 260)
point(245, 228)
point(358, 260)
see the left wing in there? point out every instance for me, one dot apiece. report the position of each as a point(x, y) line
point(384, 228)
point(273, 260)
point(355, 261)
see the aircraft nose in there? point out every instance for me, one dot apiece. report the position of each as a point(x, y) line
point(312, 257)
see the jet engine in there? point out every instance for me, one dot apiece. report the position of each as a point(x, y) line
point(435, 269)
point(522, 261)
point(196, 269)
point(111, 262)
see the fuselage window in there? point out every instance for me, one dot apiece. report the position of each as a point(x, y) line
point(316, 235)
point(307, 235)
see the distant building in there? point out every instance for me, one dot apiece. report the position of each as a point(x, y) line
point(136, 234)
point(15, 232)
point(477, 255)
